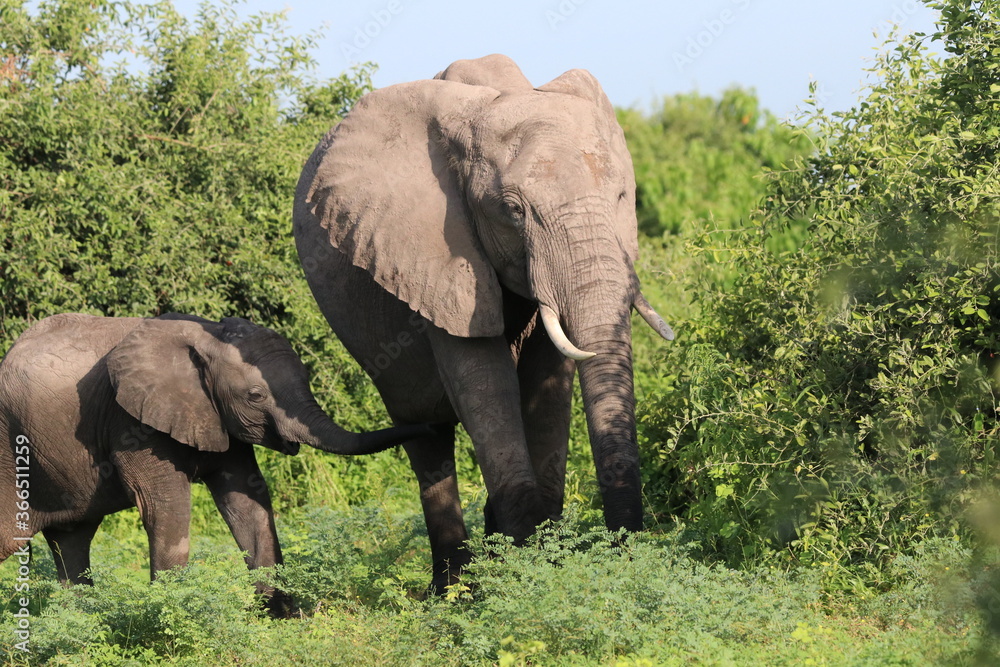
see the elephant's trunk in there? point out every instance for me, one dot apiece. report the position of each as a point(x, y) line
point(593, 296)
point(317, 430)
point(609, 401)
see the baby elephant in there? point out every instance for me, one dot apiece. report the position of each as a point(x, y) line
point(99, 414)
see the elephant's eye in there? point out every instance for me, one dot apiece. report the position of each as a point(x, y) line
point(255, 395)
point(514, 210)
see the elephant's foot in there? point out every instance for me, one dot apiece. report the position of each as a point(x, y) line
point(277, 602)
point(516, 512)
point(449, 571)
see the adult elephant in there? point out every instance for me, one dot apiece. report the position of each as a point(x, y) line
point(437, 224)
point(98, 414)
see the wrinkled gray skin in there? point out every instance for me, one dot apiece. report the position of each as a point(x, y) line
point(436, 224)
point(124, 412)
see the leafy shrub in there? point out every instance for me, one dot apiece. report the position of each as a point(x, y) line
point(364, 555)
point(136, 192)
point(208, 606)
point(579, 595)
point(574, 595)
point(579, 591)
point(698, 160)
point(838, 404)
point(148, 164)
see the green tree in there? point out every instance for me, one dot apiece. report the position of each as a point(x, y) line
point(148, 164)
point(160, 186)
point(698, 161)
point(839, 402)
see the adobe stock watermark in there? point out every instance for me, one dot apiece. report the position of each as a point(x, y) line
point(713, 29)
point(819, 94)
point(367, 32)
point(560, 13)
point(903, 11)
point(22, 534)
point(394, 348)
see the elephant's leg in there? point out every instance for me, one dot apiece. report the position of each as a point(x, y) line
point(481, 381)
point(70, 547)
point(243, 499)
point(433, 462)
point(546, 380)
point(161, 490)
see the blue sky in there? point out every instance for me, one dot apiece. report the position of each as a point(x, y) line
point(639, 51)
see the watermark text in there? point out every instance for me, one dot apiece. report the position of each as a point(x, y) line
point(22, 534)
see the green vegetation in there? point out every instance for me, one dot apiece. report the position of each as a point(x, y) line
point(696, 158)
point(570, 597)
point(837, 404)
point(818, 443)
point(135, 191)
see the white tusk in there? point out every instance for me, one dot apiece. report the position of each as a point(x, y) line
point(552, 327)
point(652, 318)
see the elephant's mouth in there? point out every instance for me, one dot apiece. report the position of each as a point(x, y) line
point(273, 440)
point(289, 447)
point(277, 438)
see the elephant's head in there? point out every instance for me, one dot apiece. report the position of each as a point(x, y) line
point(446, 189)
point(203, 382)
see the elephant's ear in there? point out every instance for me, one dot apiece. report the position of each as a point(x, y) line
point(385, 184)
point(496, 71)
point(581, 83)
point(157, 375)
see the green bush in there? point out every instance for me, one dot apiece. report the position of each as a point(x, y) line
point(575, 590)
point(366, 555)
point(131, 191)
point(838, 403)
point(574, 595)
point(148, 164)
point(698, 161)
point(207, 607)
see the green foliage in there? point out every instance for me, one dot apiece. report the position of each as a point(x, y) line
point(131, 190)
point(575, 590)
point(132, 193)
point(698, 160)
point(209, 606)
point(365, 555)
point(838, 403)
point(138, 193)
point(574, 595)
point(700, 165)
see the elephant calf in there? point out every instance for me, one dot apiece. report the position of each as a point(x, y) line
point(99, 414)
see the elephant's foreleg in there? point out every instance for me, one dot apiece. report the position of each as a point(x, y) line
point(241, 494)
point(546, 381)
point(167, 519)
point(242, 497)
point(162, 492)
point(433, 462)
point(70, 547)
point(481, 381)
